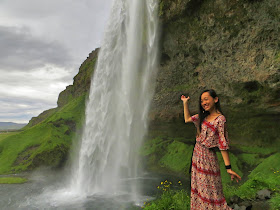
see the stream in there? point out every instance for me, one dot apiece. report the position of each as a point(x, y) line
point(45, 189)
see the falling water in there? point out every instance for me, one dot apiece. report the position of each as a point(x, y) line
point(120, 95)
point(106, 166)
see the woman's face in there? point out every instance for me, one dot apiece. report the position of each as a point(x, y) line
point(208, 102)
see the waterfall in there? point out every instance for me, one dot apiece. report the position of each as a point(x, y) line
point(120, 94)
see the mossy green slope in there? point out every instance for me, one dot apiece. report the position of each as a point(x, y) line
point(167, 155)
point(265, 176)
point(46, 143)
point(12, 180)
point(5, 135)
point(47, 139)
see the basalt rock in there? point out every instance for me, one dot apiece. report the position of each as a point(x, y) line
point(231, 46)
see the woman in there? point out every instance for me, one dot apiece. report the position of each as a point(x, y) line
point(206, 184)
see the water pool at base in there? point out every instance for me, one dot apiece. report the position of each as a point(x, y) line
point(45, 190)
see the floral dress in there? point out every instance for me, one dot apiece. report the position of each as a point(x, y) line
point(206, 184)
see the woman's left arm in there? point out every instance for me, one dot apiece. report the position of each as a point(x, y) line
point(227, 163)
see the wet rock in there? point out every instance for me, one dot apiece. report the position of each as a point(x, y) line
point(264, 194)
point(235, 199)
point(237, 207)
point(260, 205)
point(247, 204)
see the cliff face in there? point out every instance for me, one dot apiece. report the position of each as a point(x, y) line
point(81, 82)
point(81, 85)
point(231, 46)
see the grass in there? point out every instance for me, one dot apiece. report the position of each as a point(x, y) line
point(250, 159)
point(167, 154)
point(265, 176)
point(12, 180)
point(275, 201)
point(46, 143)
point(5, 135)
point(177, 156)
point(169, 198)
point(234, 164)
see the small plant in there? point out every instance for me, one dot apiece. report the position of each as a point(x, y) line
point(169, 198)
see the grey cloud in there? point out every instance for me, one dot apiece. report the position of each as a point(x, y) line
point(36, 35)
point(20, 50)
point(18, 109)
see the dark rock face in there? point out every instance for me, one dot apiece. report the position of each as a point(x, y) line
point(231, 46)
point(81, 82)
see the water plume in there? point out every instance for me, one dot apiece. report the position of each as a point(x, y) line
point(120, 95)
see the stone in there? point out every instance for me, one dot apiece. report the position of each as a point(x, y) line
point(247, 204)
point(235, 199)
point(236, 207)
point(260, 205)
point(264, 194)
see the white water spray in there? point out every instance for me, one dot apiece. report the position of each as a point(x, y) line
point(120, 95)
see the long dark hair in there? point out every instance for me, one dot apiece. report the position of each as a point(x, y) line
point(202, 113)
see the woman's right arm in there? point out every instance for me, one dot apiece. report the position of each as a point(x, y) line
point(187, 115)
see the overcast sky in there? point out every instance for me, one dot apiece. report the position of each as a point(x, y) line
point(42, 45)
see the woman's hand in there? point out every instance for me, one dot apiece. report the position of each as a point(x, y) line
point(233, 175)
point(184, 99)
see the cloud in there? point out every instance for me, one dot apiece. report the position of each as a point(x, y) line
point(20, 50)
point(43, 43)
point(24, 95)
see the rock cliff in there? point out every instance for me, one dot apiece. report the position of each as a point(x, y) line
point(231, 46)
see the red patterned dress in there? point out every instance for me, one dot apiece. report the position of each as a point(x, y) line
point(206, 184)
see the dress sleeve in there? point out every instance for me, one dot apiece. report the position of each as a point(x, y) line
point(222, 133)
point(195, 119)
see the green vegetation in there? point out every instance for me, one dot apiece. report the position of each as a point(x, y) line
point(258, 166)
point(5, 135)
point(265, 176)
point(177, 156)
point(12, 180)
point(46, 143)
point(169, 199)
point(250, 159)
point(234, 164)
point(275, 201)
point(167, 154)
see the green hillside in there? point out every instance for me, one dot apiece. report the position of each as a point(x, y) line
point(45, 144)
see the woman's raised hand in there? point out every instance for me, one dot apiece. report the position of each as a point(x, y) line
point(184, 99)
point(233, 175)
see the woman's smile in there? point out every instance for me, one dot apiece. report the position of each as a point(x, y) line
point(206, 107)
